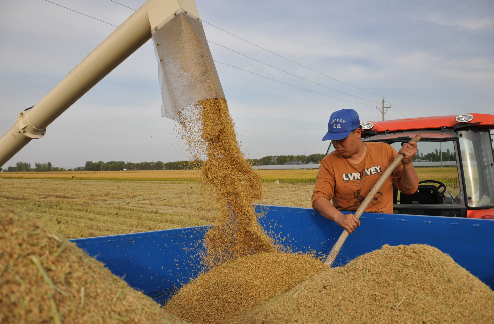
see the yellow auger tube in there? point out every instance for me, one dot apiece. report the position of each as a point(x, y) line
point(119, 45)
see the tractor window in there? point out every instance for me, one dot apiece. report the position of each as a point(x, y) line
point(437, 169)
point(478, 169)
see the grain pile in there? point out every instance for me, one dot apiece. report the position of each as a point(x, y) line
point(237, 286)
point(46, 279)
point(400, 284)
point(209, 132)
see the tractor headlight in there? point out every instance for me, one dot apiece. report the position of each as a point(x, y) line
point(465, 118)
point(367, 125)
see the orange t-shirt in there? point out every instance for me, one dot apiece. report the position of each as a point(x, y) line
point(348, 184)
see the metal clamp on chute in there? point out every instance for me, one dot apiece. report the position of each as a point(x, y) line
point(27, 129)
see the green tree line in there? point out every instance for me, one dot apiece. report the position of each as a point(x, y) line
point(189, 165)
point(121, 165)
point(26, 167)
point(282, 159)
point(159, 165)
point(435, 156)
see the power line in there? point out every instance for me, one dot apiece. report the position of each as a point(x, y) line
point(56, 4)
point(123, 5)
point(298, 65)
point(278, 56)
point(322, 85)
point(289, 60)
point(291, 85)
point(254, 60)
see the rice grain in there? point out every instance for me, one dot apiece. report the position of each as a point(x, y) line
point(396, 284)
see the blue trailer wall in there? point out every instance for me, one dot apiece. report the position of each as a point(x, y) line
point(158, 263)
point(155, 263)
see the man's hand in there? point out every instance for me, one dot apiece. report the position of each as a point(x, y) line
point(349, 222)
point(408, 150)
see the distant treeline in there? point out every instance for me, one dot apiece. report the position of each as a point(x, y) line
point(282, 159)
point(190, 165)
point(120, 165)
point(435, 156)
point(178, 165)
point(25, 167)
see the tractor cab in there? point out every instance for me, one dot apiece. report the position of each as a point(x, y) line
point(454, 162)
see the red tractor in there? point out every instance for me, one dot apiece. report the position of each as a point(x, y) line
point(457, 156)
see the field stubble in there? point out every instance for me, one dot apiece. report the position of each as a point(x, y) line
point(88, 204)
point(88, 208)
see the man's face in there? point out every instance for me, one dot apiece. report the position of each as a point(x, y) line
point(349, 145)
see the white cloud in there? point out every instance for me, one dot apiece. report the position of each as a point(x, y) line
point(470, 23)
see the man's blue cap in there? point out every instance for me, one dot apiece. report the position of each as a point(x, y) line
point(341, 124)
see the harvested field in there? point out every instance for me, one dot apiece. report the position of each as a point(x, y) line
point(146, 175)
point(88, 208)
point(396, 284)
point(46, 279)
point(290, 176)
point(106, 204)
point(158, 175)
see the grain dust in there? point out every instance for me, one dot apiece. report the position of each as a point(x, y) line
point(44, 278)
point(396, 284)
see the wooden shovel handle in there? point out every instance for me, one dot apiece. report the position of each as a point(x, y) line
point(336, 248)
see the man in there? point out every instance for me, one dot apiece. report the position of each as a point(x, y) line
point(348, 174)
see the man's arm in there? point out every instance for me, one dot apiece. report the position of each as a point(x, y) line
point(409, 177)
point(349, 222)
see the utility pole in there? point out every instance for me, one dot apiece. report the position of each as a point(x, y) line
point(441, 153)
point(384, 109)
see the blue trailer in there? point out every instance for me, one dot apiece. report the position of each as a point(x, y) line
point(159, 263)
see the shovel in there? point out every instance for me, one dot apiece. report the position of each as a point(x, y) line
point(337, 247)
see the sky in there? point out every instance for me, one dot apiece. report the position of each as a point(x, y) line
point(284, 66)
